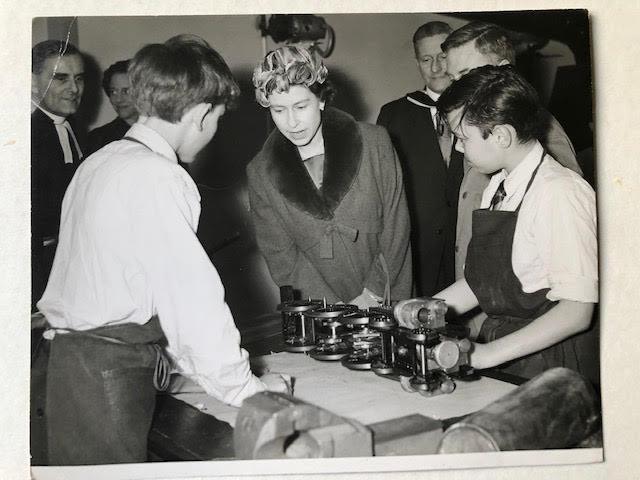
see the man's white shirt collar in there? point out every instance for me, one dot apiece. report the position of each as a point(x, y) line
point(432, 108)
point(432, 95)
point(56, 118)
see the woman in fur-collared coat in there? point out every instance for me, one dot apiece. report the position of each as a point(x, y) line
point(326, 192)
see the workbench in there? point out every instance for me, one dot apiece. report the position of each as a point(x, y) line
point(185, 428)
point(196, 426)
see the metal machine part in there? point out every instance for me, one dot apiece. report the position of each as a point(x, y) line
point(428, 346)
point(426, 361)
point(364, 341)
point(330, 345)
point(425, 358)
point(423, 311)
point(383, 321)
point(428, 315)
point(298, 330)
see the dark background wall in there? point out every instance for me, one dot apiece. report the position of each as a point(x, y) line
point(372, 64)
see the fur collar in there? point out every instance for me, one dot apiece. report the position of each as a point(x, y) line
point(343, 154)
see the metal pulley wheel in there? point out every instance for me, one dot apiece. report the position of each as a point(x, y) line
point(298, 334)
point(329, 351)
point(446, 354)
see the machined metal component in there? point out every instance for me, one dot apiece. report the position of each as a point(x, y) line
point(426, 357)
point(383, 321)
point(426, 361)
point(330, 345)
point(431, 379)
point(364, 342)
point(423, 311)
point(427, 352)
point(298, 331)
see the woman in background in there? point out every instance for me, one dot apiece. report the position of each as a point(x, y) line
point(116, 84)
point(326, 191)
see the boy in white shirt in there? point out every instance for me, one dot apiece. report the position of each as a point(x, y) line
point(532, 260)
point(130, 275)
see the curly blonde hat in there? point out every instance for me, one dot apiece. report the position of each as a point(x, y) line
point(285, 67)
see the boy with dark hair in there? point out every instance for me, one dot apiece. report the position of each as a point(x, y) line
point(130, 275)
point(532, 260)
point(474, 45)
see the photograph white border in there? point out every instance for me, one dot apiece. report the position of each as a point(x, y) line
point(614, 26)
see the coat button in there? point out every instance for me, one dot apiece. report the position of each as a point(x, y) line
point(464, 195)
point(457, 248)
point(439, 231)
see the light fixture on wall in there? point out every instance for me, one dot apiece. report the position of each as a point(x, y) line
point(310, 31)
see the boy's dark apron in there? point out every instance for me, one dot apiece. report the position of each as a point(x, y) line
point(489, 273)
point(100, 393)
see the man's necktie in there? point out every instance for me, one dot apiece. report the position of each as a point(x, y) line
point(443, 132)
point(71, 154)
point(498, 197)
point(444, 138)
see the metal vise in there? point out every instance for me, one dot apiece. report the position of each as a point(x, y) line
point(273, 425)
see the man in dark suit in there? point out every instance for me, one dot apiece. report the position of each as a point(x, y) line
point(57, 83)
point(115, 83)
point(432, 167)
point(57, 73)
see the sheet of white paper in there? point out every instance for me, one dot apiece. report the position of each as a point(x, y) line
point(359, 395)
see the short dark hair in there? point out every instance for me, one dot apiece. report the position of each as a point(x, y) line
point(430, 29)
point(47, 49)
point(489, 39)
point(118, 67)
point(496, 95)
point(168, 79)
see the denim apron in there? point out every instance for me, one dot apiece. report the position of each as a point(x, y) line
point(489, 273)
point(101, 389)
point(100, 393)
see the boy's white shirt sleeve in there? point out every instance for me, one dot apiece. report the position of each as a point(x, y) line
point(188, 296)
point(566, 235)
point(555, 242)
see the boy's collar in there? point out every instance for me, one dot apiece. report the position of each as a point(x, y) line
point(523, 170)
point(152, 139)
